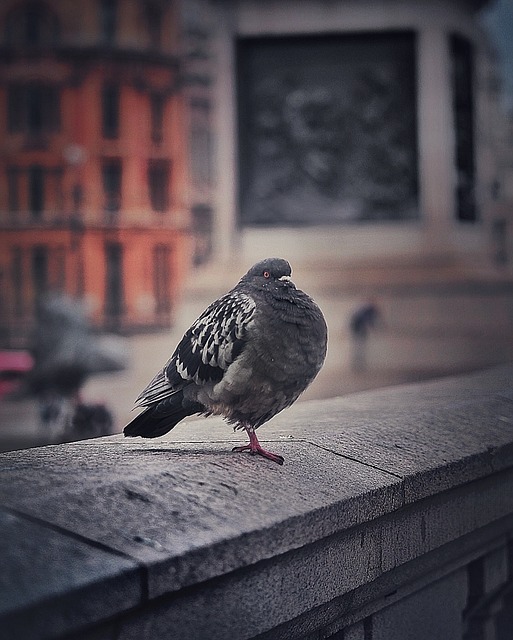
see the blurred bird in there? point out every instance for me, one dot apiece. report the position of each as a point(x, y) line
point(248, 356)
point(66, 353)
point(65, 350)
point(61, 344)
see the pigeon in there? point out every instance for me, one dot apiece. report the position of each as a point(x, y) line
point(247, 357)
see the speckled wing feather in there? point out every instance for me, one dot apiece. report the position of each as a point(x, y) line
point(206, 350)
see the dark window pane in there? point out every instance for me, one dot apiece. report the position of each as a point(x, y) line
point(110, 111)
point(51, 109)
point(16, 108)
point(13, 188)
point(463, 107)
point(158, 182)
point(31, 24)
point(36, 191)
point(114, 284)
point(33, 108)
point(153, 12)
point(327, 128)
point(40, 269)
point(111, 177)
point(17, 280)
point(108, 9)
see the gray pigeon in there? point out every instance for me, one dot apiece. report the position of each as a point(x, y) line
point(248, 356)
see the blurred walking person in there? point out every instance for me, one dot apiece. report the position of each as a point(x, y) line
point(362, 320)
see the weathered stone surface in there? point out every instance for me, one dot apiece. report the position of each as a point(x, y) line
point(495, 569)
point(199, 542)
point(193, 511)
point(354, 632)
point(51, 582)
point(270, 593)
point(435, 436)
point(433, 612)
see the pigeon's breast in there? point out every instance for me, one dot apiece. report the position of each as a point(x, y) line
point(285, 348)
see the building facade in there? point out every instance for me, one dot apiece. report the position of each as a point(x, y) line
point(354, 132)
point(140, 136)
point(94, 179)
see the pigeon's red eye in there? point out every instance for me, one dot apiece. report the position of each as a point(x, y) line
point(267, 274)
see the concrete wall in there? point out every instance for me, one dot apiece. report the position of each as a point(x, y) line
point(392, 518)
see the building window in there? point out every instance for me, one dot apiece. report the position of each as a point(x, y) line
point(40, 269)
point(153, 15)
point(16, 108)
point(463, 108)
point(35, 112)
point(158, 183)
point(36, 191)
point(157, 103)
point(59, 271)
point(161, 277)
point(31, 24)
point(201, 155)
point(17, 280)
point(111, 178)
point(114, 281)
point(110, 110)
point(13, 197)
point(108, 13)
point(33, 108)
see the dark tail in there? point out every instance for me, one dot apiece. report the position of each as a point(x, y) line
point(158, 419)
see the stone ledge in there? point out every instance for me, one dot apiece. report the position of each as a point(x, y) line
point(145, 536)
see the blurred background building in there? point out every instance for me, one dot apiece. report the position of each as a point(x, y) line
point(141, 137)
point(359, 131)
point(93, 161)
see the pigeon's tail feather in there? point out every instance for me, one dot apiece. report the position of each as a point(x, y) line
point(157, 420)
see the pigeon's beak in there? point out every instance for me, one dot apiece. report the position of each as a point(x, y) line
point(287, 281)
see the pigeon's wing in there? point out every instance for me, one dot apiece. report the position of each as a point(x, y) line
point(207, 349)
point(214, 341)
point(158, 389)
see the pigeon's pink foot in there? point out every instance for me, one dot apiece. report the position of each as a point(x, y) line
point(255, 448)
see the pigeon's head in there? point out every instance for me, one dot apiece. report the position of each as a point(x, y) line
point(275, 271)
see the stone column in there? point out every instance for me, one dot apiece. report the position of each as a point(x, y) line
point(225, 119)
point(435, 136)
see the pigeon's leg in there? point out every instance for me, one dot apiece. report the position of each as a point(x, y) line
point(255, 448)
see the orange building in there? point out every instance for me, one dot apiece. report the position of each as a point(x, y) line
point(93, 161)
